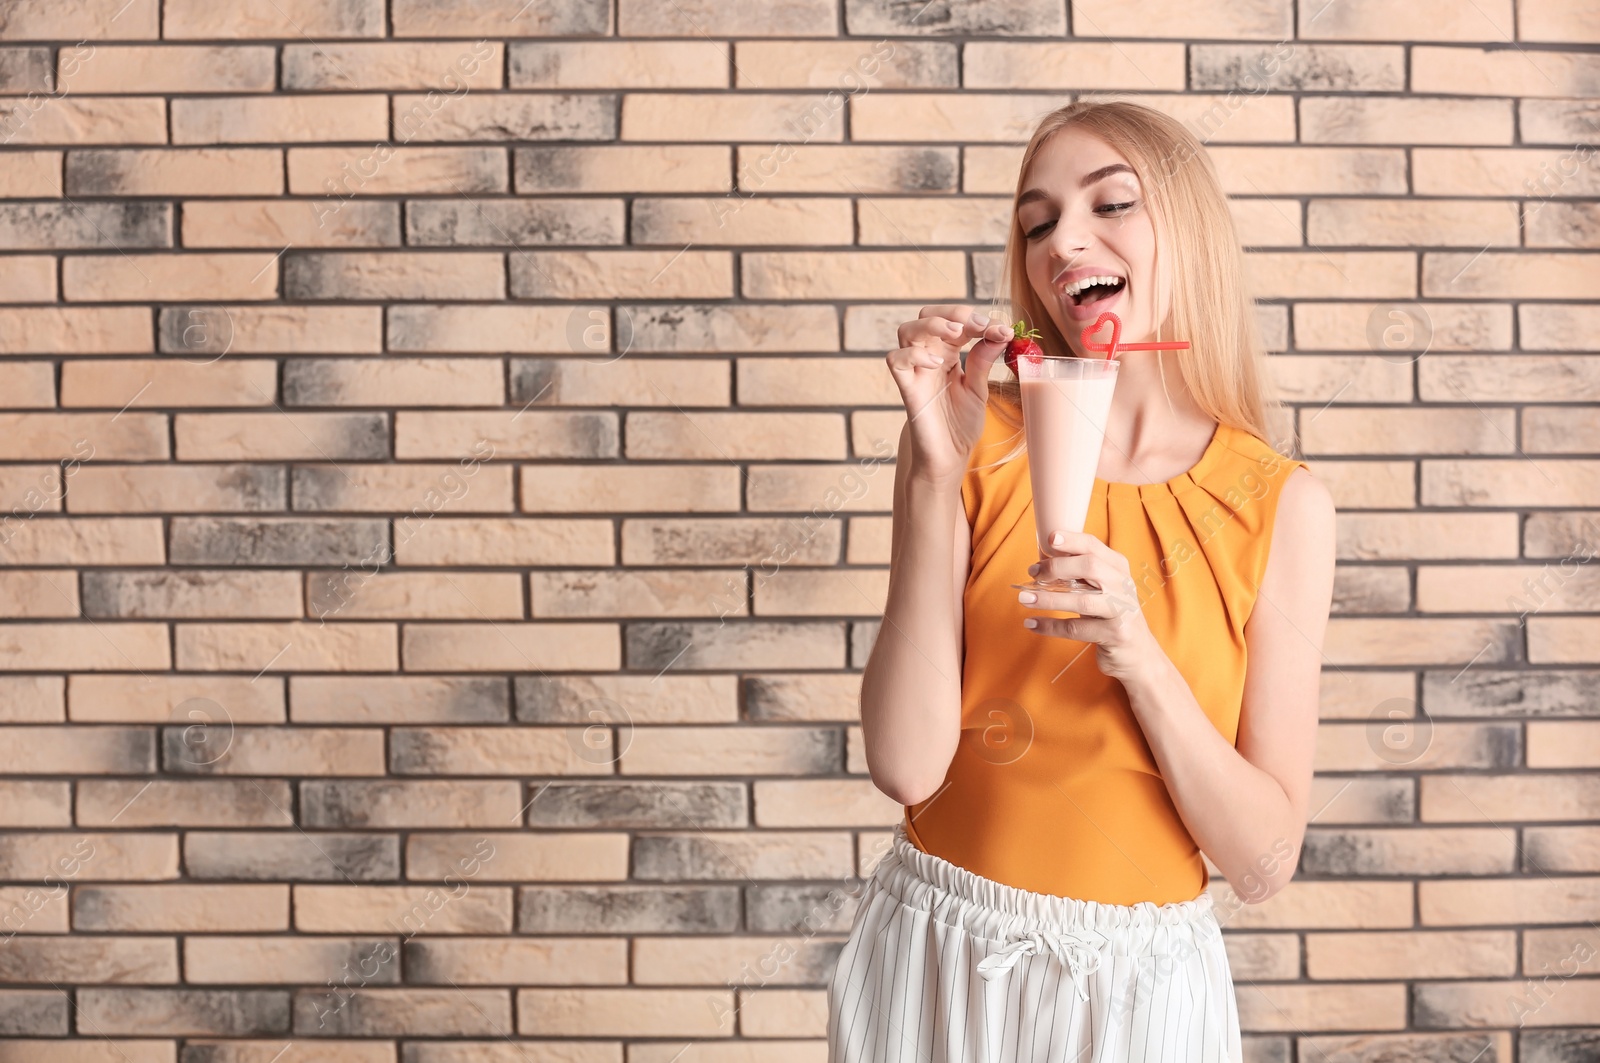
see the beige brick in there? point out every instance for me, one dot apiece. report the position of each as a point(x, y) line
point(1553, 223)
point(1559, 588)
point(1264, 171)
point(340, 173)
point(1509, 482)
point(414, 595)
point(631, 168)
point(243, 120)
point(1537, 172)
point(785, 803)
point(841, 592)
point(1402, 331)
point(1268, 223)
point(272, 18)
point(686, 750)
point(114, 857)
point(169, 277)
point(394, 275)
point(1532, 900)
point(750, 541)
point(29, 278)
point(1552, 20)
point(121, 384)
point(504, 116)
point(624, 1012)
point(1553, 744)
point(1326, 379)
point(733, 436)
point(87, 120)
point(541, 434)
point(938, 275)
point(1416, 954)
point(699, 116)
point(48, 20)
point(849, 66)
point(630, 382)
point(1272, 20)
point(1320, 906)
point(521, 857)
point(1563, 640)
point(1368, 484)
point(1559, 430)
point(816, 382)
point(175, 172)
point(266, 223)
point(496, 329)
point(33, 646)
point(1512, 71)
point(219, 959)
point(362, 66)
point(1318, 274)
point(604, 593)
point(124, 804)
point(33, 173)
point(1499, 798)
point(185, 488)
point(298, 751)
point(287, 647)
point(1550, 275)
point(421, 490)
point(724, 18)
point(1437, 20)
point(398, 699)
point(480, 751)
point(187, 699)
point(1327, 1006)
point(35, 804)
point(75, 330)
point(32, 698)
point(512, 647)
point(623, 275)
point(123, 1050)
point(1386, 430)
point(496, 961)
point(171, 69)
point(402, 909)
point(1404, 223)
point(866, 485)
point(83, 958)
point(1418, 641)
point(683, 64)
point(28, 384)
point(206, 334)
point(516, 541)
point(1417, 536)
point(605, 489)
point(646, 699)
point(1404, 121)
point(1383, 743)
point(1089, 65)
point(277, 435)
point(1357, 695)
point(395, 382)
point(181, 908)
point(733, 221)
point(848, 169)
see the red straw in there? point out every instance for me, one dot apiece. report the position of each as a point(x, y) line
point(1112, 348)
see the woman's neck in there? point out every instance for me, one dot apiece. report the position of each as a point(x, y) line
point(1156, 429)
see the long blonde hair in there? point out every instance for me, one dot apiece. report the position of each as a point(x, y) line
point(1225, 362)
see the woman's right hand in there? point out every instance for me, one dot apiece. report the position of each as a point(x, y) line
point(944, 401)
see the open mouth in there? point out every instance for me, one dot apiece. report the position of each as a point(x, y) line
point(1092, 290)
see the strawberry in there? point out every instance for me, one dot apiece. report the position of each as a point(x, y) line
point(1023, 343)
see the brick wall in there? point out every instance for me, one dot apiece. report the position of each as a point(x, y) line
point(447, 467)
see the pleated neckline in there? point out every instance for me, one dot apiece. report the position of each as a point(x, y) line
point(1120, 491)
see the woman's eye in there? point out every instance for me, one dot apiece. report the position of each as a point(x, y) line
point(1037, 229)
point(1119, 207)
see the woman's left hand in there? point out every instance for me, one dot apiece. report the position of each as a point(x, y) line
point(1110, 618)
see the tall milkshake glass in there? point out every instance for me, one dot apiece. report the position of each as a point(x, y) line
point(1065, 403)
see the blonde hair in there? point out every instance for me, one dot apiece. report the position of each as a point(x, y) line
point(1225, 362)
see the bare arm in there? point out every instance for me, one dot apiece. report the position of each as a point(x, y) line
point(911, 687)
point(1245, 804)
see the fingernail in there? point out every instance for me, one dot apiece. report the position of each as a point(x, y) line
point(1033, 569)
point(1058, 539)
point(1030, 622)
point(1027, 596)
point(980, 320)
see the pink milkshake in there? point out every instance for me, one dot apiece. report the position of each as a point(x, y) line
point(1065, 403)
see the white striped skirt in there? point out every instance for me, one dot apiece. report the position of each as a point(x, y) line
point(943, 965)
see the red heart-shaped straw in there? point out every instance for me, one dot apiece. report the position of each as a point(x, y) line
point(1110, 348)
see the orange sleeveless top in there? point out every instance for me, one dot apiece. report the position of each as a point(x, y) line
point(1053, 787)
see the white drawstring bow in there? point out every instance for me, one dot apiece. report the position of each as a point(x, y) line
point(1080, 952)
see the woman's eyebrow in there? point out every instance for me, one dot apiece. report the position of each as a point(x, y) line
point(1088, 179)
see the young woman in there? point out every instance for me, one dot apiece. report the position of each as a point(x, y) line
point(1044, 897)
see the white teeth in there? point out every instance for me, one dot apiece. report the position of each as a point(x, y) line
point(1078, 286)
